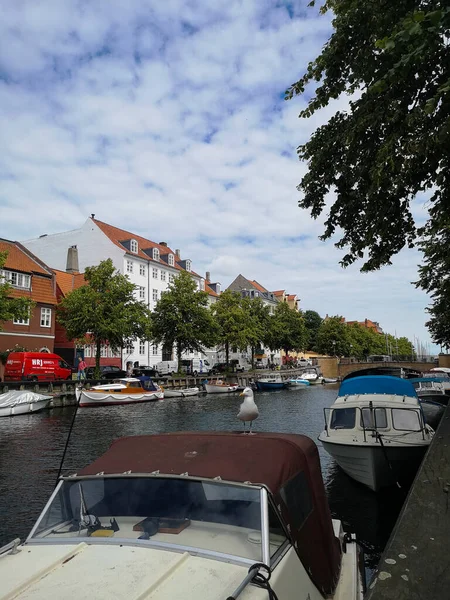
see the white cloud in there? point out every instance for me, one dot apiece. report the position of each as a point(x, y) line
point(168, 119)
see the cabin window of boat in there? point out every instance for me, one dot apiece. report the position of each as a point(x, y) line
point(343, 418)
point(406, 420)
point(374, 418)
point(212, 516)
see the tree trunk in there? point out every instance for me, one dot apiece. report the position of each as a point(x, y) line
point(253, 357)
point(227, 353)
point(98, 345)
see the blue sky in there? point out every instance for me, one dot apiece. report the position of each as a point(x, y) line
point(168, 119)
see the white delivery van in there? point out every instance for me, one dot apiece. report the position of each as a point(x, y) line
point(196, 366)
point(166, 367)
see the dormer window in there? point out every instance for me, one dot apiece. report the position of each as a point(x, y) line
point(218, 288)
point(188, 266)
point(155, 254)
point(171, 260)
point(134, 246)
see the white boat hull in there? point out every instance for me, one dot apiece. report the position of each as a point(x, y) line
point(220, 389)
point(24, 408)
point(100, 398)
point(367, 463)
point(183, 393)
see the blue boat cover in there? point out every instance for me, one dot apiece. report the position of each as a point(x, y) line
point(377, 384)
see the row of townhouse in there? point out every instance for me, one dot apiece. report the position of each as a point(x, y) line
point(47, 268)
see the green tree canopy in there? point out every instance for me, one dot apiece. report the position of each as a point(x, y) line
point(333, 337)
point(11, 307)
point(393, 142)
point(182, 318)
point(235, 328)
point(106, 309)
point(287, 330)
point(312, 323)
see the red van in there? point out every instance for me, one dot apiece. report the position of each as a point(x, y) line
point(36, 366)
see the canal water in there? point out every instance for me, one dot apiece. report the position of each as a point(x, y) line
point(31, 447)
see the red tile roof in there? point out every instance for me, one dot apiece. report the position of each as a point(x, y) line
point(279, 293)
point(42, 291)
point(117, 236)
point(21, 259)
point(68, 281)
point(210, 291)
point(292, 296)
point(258, 286)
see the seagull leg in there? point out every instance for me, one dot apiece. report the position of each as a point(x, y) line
point(250, 432)
point(244, 428)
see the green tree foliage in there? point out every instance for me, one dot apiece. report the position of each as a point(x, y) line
point(235, 327)
point(313, 322)
point(258, 322)
point(435, 279)
point(358, 341)
point(287, 330)
point(182, 318)
point(333, 338)
point(12, 307)
point(106, 309)
point(393, 142)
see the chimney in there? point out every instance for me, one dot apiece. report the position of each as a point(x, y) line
point(208, 276)
point(163, 244)
point(177, 252)
point(72, 260)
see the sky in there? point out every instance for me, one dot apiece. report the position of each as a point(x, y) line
point(168, 119)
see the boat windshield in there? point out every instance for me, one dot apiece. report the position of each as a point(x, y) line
point(211, 516)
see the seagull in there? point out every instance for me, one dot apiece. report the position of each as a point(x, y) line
point(249, 410)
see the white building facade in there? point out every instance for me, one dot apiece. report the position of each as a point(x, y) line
point(150, 266)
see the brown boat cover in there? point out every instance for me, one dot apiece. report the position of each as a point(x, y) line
point(271, 459)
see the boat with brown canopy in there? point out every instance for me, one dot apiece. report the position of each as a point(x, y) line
point(169, 516)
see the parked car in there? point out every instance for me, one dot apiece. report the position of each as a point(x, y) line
point(237, 366)
point(220, 368)
point(260, 365)
point(196, 366)
point(106, 372)
point(36, 366)
point(144, 370)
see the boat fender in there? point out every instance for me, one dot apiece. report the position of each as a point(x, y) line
point(259, 580)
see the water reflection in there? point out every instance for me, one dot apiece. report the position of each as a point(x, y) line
point(31, 447)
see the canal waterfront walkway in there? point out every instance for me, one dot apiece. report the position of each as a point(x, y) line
point(415, 564)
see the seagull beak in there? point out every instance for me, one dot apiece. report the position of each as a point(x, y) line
point(242, 394)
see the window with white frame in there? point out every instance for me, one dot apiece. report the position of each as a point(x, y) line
point(171, 277)
point(163, 275)
point(142, 270)
point(155, 273)
point(155, 254)
point(134, 246)
point(141, 292)
point(16, 279)
point(87, 352)
point(46, 317)
point(141, 347)
point(155, 350)
point(130, 348)
point(171, 260)
point(129, 266)
point(21, 321)
point(155, 295)
point(188, 266)
point(103, 351)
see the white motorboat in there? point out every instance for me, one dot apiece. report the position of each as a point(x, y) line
point(312, 375)
point(440, 375)
point(220, 387)
point(180, 393)
point(272, 382)
point(169, 516)
point(376, 431)
point(299, 382)
point(121, 391)
point(20, 402)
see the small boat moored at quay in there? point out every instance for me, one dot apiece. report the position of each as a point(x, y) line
point(126, 390)
point(376, 430)
point(312, 375)
point(180, 392)
point(298, 383)
point(272, 382)
point(164, 516)
point(218, 386)
point(20, 402)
